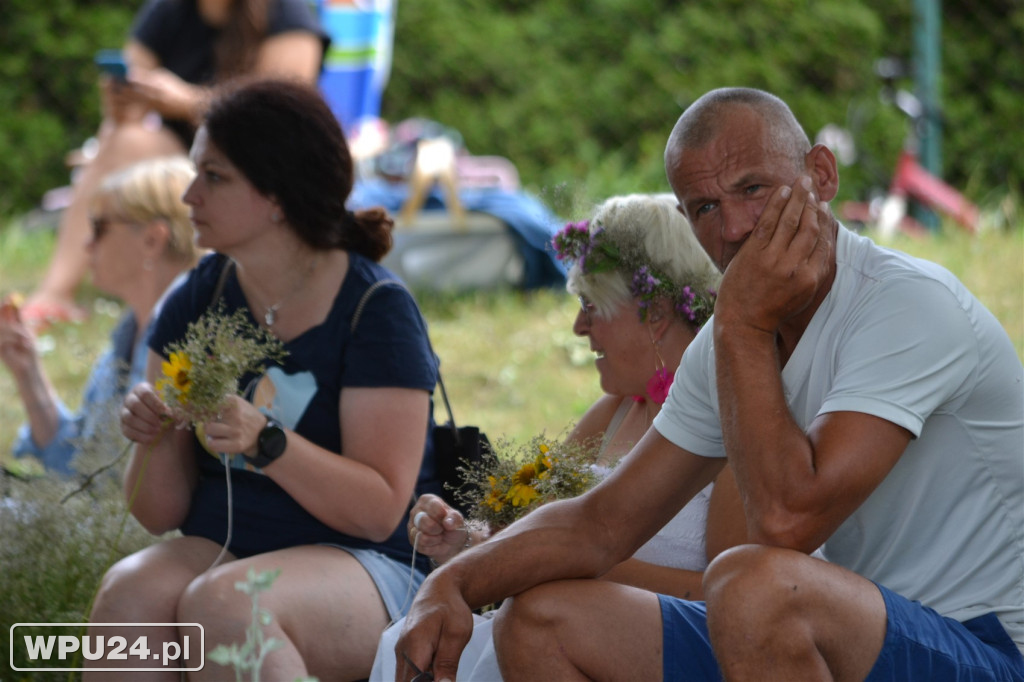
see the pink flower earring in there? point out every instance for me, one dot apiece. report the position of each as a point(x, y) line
point(659, 383)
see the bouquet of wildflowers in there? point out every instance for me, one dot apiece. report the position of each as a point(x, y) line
point(512, 480)
point(205, 366)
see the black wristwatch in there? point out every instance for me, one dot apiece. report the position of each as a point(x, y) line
point(270, 444)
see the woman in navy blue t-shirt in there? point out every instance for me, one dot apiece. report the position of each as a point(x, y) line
point(325, 464)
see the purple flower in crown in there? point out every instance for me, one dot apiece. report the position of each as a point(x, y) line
point(573, 242)
point(644, 283)
point(685, 304)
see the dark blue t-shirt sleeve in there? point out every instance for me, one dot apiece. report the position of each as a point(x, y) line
point(175, 32)
point(390, 346)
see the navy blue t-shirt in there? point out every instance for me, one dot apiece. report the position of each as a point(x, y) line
point(390, 348)
point(183, 43)
point(176, 33)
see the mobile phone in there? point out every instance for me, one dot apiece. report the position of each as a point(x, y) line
point(112, 62)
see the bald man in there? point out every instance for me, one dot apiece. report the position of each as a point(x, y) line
point(869, 405)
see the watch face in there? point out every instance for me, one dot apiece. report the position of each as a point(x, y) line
point(272, 440)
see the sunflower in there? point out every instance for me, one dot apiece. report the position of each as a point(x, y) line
point(521, 495)
point(512, 479)
point(177, 373)
point(526, 474)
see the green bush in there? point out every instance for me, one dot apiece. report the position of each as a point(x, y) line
point(49, 102)
point(573, 89)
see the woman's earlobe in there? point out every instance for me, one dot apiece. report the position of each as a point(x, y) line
point(158, 233)
point(659, 313)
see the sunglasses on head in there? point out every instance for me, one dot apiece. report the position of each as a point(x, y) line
point(101, 225)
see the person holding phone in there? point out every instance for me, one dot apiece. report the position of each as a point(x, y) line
point(178, 50)
point(112, 63)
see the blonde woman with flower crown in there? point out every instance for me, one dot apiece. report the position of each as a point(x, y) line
point(645, 287)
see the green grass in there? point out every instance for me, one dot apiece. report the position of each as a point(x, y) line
point(510, 361)
point(991, 264)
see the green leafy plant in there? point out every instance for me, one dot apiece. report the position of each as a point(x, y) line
point(248, 657)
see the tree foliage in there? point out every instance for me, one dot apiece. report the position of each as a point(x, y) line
point(589, 89)
point(581, 94)
point(48, 101)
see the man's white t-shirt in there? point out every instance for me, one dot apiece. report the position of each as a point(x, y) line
point(902, 339)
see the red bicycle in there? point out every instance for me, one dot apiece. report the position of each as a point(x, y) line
point(910, 179)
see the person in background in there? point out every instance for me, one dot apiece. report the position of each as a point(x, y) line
point(640, 310)
point(866, 402)
point(178, 49)
point(141, 242)
point(323, 473)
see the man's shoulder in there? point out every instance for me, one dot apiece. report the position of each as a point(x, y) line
point(866, 269)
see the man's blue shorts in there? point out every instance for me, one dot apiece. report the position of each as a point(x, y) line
point(920, 645)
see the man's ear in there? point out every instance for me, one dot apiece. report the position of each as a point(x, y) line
point(821, 166)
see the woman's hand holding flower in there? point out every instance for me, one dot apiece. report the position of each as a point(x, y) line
point(436, 529)
point(236, 427)
point(144, 415)
point(17, 345)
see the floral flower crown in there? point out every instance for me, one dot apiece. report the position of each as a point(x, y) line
point(594, 251)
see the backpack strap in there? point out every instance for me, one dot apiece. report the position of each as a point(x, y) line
point(229, 265)
point(366, 297)
point(440, 382)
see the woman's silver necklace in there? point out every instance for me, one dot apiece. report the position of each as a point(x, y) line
point(270, 316)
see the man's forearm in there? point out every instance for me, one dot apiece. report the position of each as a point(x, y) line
point(770, 454)
point(549, 544)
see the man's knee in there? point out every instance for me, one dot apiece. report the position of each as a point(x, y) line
point(530, 610)
point(530, 617)
point(754, 583)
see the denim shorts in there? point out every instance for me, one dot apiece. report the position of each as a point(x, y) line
point(920, 645)
point(686, 646)
point(396, 581)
